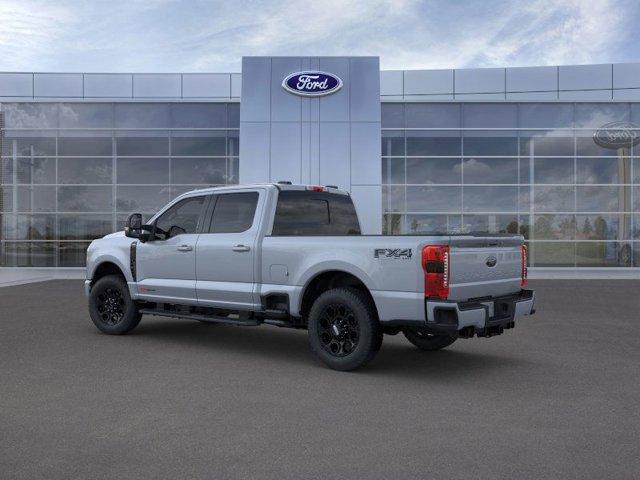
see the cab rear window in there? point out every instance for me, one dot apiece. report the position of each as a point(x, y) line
point(315, 213)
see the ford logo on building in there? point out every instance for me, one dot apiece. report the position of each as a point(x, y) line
point(312, 84)
point(616, 135)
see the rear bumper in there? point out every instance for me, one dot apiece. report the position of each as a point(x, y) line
point(484, 318)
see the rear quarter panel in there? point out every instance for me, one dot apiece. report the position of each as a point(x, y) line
point(394, 276)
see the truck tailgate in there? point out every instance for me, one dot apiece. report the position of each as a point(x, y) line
point(484, 266)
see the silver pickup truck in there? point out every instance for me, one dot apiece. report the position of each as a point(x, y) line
point(293, 256)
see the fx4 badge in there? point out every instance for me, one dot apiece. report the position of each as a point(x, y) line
point(404, 253)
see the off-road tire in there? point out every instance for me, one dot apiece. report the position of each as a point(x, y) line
point(357, 336)
point(111, 308)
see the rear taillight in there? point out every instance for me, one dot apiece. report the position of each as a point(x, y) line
point(435, 262)
point(523, 270)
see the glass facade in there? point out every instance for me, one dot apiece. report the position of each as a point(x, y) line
point(72, 172)
point(529, 168)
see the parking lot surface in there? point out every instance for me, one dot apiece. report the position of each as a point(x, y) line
point(557, 397)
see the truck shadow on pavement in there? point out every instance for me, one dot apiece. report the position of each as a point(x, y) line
point(399, 358)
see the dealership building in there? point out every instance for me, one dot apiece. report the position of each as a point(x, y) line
point(547, 152)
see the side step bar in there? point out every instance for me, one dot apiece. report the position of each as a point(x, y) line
point(202, 318)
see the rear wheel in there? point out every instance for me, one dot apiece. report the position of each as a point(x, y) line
point(428, 341)
point(344, 332)
point(111, 307)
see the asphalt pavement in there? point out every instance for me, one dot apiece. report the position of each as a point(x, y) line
point(558, 397)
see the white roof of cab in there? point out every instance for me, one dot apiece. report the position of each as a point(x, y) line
point(280, 186)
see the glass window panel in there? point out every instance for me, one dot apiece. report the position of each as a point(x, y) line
point(84, 227)
point(85, 170)
point(490, 224)
point(603, 199)
point(209, 171)
point(233, 143)
point(142, 115)
point(553, 199)
point(585, 145)
point(6, 199)
point(233, 112)
point(524, 199)
point(552, 254)
point(603, 254)
point(603, 170)
point(490, 170)
point(83, 115)
point(72, 254)
point(28, 227)
point(434, 170)
point(36, 199)
point(490, 115)
point(603, 227)
point(392, 143)
point(546, 144)
point(553, 170)
point(199, 115)
point(90, 146)
point(36, 170)
point(524, 227)
point(29, 146)
point(30, 115)
point(554, 227)
point(636, 199)
point(476, 144)
point(545, 115)
point(598, 114)
point(392, 224)
point(142, 198)
point(635, 234)
point(142, 170)
point(433, 143)
point(490, 199)
point(233, 165)
point(211, 145)
point(393, 199)
point(393, 170)
point(38, 254)
point(177, 190)
point(525, 170)
point(636, 170)
point(145, 146)
point(392, 115)
point(434, 199)
point(432, 115)
point(432, 224)
point(6, 170)
point(85, 199)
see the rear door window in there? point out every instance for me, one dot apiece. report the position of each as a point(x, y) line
point(234, 212)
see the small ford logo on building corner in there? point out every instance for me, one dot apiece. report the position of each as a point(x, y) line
point(312, 83)
point(491, 261)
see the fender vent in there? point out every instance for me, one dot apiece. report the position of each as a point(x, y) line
point(132, 260)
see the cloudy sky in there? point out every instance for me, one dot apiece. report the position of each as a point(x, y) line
point(212, 36)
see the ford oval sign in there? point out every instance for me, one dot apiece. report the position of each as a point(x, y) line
point(617, 135)
point(312, 84)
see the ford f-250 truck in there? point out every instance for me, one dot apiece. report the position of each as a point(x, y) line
point(293, 256)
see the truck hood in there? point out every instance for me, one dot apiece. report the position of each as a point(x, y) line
point(115, 234)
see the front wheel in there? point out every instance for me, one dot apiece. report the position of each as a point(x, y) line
point(344, 332)
point(428, 341)
point(111, 308)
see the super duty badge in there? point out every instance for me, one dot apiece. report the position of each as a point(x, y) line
point(404, 253)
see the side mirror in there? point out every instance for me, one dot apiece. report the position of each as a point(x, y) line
point(135, 229)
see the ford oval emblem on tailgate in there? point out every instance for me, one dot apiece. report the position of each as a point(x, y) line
point(491, 261)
